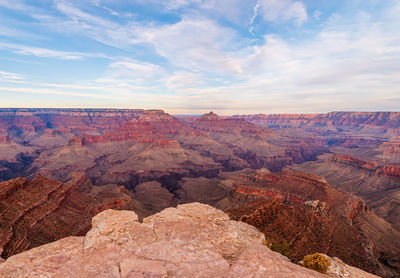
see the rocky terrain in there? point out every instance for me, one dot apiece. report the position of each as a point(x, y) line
point(36, 212)
point(377, 123)
point(191, 240)
point(324, 183)
point(304, 212)
point(128, 147)
point(378, 184)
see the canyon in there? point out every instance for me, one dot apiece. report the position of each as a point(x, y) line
point(193, 240)
point(41, 210)
point(327, 183)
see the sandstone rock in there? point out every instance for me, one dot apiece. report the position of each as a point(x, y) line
point(391, 150)
point(36, 212)
point(338, 269)
point(366, 122)
point(375, 182)
point(192, 240)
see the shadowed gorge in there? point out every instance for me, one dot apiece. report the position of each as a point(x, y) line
point(323, 183)
point(199, 139)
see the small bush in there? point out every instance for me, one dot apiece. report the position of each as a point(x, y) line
point(267, 243)
point(280, 247)
point(316, 262)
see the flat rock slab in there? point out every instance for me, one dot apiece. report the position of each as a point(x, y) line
point(192, 240)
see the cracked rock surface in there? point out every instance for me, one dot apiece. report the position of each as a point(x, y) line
point(192, 240)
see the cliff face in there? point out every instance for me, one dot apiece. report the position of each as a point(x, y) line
point(375, 182)
point(213, 123)
point(373, 167)
point(309, 227)
point(304, 211)
point(191, 240)
point(42, 210)
point(128, 147)
point(368, 122)
point(391, 150)
point(257, 146)
point(163, 160)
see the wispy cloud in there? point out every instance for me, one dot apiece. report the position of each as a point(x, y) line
point(132, 72)
point(47, 91)
point(111, 11)
point(11, 77)
point(17, 5)
point(255, 14)
point(85, 24)
point(194, 44)
point(49, 53)
point(281, 11)
point(198, 55)
point(317, 14)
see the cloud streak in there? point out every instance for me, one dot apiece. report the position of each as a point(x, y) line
point(49, 53)
point(279, 11)
point(11, 77)
point(200, 59)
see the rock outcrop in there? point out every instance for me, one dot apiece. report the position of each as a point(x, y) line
point(391, 150)
point(162, 160)
point(36, 212)
point(256, 145)
point(375, 182)
point(338, 269)
point(304, 211)
point(306, 228)
point(55, 140)
point(373, 167)
point(367, 122)
point(191, 240)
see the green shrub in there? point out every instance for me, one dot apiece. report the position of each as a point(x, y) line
point(316, 262)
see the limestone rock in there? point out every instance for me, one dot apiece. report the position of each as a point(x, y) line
point(40, 211)
point(338, 269)
point(192, 240)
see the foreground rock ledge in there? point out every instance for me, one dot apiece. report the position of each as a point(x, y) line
point(192, 240)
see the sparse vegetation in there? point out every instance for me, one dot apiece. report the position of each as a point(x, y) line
point(282, 247)
point(316, 262)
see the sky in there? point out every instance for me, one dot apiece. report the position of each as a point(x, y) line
point(195, 56)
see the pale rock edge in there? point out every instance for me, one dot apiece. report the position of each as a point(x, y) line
point(191, 240)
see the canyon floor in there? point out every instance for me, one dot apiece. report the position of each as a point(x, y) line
point(327, 183)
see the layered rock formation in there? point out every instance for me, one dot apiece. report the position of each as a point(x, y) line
point(257, 146)
point(391, 150)
point(36, 212)
point(314, 226)
point(188, 241)
point(366, 122)
point(305, 212)
point(373, 167)
point(164, 160)
point(128, 147)
point(377, 184)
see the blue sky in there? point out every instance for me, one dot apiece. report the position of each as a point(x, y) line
point(193, 56)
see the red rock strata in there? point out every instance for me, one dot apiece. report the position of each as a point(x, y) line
point(78, 121)
point(213, 123)
point(302, 211)
point(306, 229)
point(391, 150)
point(369, 122)
point(192, 240)
point(36, 212)
point(385, 170)
point(4, 139)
